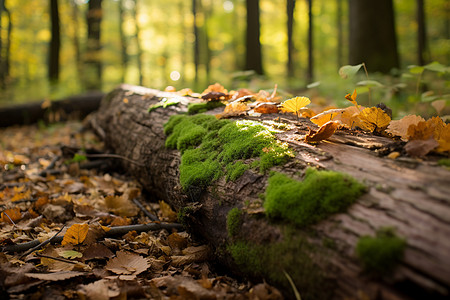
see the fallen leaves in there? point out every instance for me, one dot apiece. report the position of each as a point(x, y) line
point(325, 131)
point(374, 119)
point(127, 263)
point(294, 105)
point(76, 234)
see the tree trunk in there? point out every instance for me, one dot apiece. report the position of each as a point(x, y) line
point(55, 43)
point(421, 33)
point(93, 61)
point(253, 56)
point(372, 37)
point(290, 8)
point(138, 43)
point(123, 41)
point(5, 46)
point(310, 74)
point(196, 41)
point(76, 38)
point(406, 194)
point(340, 35)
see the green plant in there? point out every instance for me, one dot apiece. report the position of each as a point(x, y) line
point(234, 221)
point(319, 195)
point(380, 254)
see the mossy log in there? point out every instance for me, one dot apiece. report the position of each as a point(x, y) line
point(392, 243)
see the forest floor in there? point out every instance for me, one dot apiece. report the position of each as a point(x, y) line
point(51, 192)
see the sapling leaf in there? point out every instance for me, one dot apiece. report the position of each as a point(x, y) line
point(413, 69)
point(436, 67)
point(369, 83)
point(349, 71)
point(313, 85)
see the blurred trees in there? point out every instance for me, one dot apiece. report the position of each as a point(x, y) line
point(372, 35)
point(198, 42)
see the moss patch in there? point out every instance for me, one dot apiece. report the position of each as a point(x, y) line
point(292, 255)
point(319, 195)
point(212, 148)
point(234, 220)
point(444, 162)
point(380, 254)
point(196, 108)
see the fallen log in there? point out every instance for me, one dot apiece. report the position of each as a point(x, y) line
point(74, 107)
point(391, 243)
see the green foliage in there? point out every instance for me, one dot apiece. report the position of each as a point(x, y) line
point(381, 253)
point(319, 195)
point(292, 255)
point(165, 102)
point(196, 108)
point(77, 158)
point(212, 148)
point(234, 221)
point(444, 162)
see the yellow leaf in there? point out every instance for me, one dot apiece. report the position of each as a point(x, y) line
point(326, 116)
point(350, 116)
point(374, 119)
point(444, 140)
point(295, 104)
point(424, 130)
point(352, 98)
point(324, 132)
point(76, 234)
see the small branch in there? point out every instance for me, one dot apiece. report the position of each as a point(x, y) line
point(115, 156)
point(52, 164)
point(144, 210)
point(113, 232)
point(58, 258)
point(42, 244)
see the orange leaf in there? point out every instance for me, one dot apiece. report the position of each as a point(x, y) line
point(400, 127)
point(424, 130)
point(374, 119)
point(76, 234)
point(13, 214)
point(444, 139)
point(352, 98)
point(295, 104)
point(324, 132)
point(266, 108)
point(326, 116)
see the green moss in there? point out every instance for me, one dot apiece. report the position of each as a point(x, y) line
point(444, 162)
point(183, 213)
point(292, 255)
point(234, 221)
point(380, 254)
point(196, 108)
point(212, 148)
point(234, 171)
point(319, 195)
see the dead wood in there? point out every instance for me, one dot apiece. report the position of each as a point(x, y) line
point(409, 195)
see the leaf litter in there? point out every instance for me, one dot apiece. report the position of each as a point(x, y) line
point(47, 195)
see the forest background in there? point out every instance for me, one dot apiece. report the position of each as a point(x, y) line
point(51, 49)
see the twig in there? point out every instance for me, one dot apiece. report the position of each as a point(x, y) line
point(113, 232)
point(115, 156)
point(59, 258)
point(144, 210)
point(42, 244)
point(49, 167)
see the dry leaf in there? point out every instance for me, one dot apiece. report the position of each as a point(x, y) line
point(121, 205)
point(350, 116)
point(327, 116)
point(217, 87)
point(76, 234)
point(420, 148)
point(97, 251)
point(55, 276)
point(374, 119)
point(70, 254)
point(324, 132)
point(266, 108)
point(352, 98)
point(400, 127)
point(190, 255)
point(167, 212)
point(127, 263)
point(444, 139)
point(11, 215)
point(100, 290)
point(295, 104)
point(424, 130)
point(439, 105)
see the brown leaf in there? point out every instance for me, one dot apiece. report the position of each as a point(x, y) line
point(324, 132)
point(127, 263)
point(100, 290)
point(327, 116)
point(400, 127)
point(121, 205)
point(56, 276)
point(266, 108)
point(97, 251)
point(76, 234)
point(190, 255)
point(419, 148)
point(167, 212)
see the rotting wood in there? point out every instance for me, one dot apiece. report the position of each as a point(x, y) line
point(409, 195)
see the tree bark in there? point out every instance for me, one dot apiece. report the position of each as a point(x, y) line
point(290, 8)
point(409, 195)
point(93, 61)
point(372, 38)
point(422, 57)
point(253, 56)
point(55, 43)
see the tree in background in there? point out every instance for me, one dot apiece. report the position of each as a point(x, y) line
point(422, 55)
point(372, 38)
point(340, 31)
point(196, 41)
point(253, 56)
point(55, 43)
point(93, 62)
point(310, 73)
point(290, 8)
point(137, 32)
point(123, 41)
point(5, 46)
